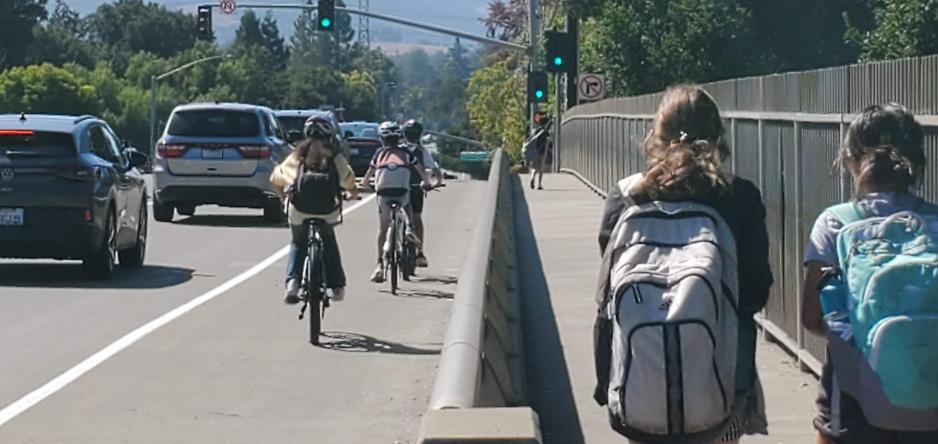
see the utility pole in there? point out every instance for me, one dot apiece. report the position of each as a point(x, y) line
point(364, 24)
point(573, 79)
point(534, 30)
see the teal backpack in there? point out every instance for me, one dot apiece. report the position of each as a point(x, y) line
point(890, 265)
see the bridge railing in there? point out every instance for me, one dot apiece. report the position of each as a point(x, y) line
point(479, 394)
point(784, 132)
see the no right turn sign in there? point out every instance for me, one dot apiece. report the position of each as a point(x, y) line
point(592, 87)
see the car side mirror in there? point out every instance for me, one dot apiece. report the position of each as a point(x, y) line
point(294, 136)
point(137, 159)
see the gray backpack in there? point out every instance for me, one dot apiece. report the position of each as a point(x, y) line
point(672, 297)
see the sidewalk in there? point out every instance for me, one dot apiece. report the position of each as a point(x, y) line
point(558, 280)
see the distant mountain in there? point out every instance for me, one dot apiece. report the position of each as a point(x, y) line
point(462, 15)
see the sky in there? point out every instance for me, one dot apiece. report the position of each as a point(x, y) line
point(463, 15)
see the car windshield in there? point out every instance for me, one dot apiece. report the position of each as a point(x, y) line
point(19, 144)
point(214, 123)
point(360, 131)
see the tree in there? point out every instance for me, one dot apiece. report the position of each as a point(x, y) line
point(46, 89)
point(903, 28)
point(17, 20)
point(130, 26)
point(645, 46)
point(359, 96)
point(63, 39)
point(496, 105)
point(451, 93)
point(273, 42)
point(249, 34)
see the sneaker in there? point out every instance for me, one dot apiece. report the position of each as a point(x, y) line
point(292, 295)
point(540, 187)
point(338, 294)
point(422, 261)
point(378, 276)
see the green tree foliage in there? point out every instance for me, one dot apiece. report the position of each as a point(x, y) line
point(903, 28)
point(17, 19)
point(46, 89)
point(496, 105)
point(274, 43)
point(63, 39)
point(127, 27)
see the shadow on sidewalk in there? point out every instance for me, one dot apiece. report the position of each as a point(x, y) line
point(358, 343)
point(548, 379)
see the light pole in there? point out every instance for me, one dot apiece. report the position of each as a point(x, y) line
point(155, 78)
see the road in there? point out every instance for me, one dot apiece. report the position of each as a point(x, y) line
point(237, 368)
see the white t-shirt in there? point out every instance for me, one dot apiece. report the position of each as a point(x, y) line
point(822, 244)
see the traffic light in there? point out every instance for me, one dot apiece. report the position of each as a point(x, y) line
point(326, 11)
point(205, 22)
point(561, 52)
point(537, 86)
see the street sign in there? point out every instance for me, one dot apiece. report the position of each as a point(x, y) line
point(592, 87)
point(228, 6)
point(474, 156)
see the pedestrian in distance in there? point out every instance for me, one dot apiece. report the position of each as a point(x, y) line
point(871, 288)
point(312, 179)
point(538, 150)
point(675, 338)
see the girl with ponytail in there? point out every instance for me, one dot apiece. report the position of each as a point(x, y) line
point(685, 154)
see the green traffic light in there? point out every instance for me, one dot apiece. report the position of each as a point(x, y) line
point(539, 94)
point(558, 61)
point(326, 22)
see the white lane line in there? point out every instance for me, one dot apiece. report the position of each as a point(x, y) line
point(59, 382)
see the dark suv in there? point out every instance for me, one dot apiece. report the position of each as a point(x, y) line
point(69, 189)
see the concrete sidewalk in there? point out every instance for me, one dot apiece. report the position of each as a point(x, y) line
point(559, 272)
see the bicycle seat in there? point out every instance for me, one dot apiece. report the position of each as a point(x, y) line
point(316, 221)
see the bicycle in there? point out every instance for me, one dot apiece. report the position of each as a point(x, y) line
point(400, 250)
point(313, 284)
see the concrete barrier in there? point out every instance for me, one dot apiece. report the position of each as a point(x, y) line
point(479, 394)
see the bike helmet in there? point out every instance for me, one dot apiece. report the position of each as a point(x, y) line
point(413, 130)
point(318, 127)
point(390, 133)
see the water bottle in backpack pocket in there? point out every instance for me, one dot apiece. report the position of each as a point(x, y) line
point(891, 269)
point(674, 311)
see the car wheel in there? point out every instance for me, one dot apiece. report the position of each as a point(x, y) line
point(133, 257)
point(100, 263)
point(186, 210)
point(273, 212)
point(162, 212)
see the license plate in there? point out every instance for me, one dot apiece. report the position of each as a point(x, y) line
point(212, 153)
point(11, 216)
point(354, 151)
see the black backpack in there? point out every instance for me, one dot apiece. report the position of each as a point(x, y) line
point(317, 192)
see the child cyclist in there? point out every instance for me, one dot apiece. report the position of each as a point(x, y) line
point(313, 177)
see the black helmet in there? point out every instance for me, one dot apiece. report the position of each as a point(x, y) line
point(413, 130)
point(390, 132)
point(318, 127)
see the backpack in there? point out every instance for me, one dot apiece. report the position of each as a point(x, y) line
point(317, 192)
point(670, 287)
point(890, 365)
point(393, 167)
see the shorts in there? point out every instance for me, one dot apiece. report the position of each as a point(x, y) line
point(854, 429)
point(416, 200)
point(384, 206)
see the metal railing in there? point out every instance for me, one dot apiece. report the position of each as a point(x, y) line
point(784, 132)
point(481, 363)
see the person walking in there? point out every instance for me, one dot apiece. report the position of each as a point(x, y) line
point(538, 151)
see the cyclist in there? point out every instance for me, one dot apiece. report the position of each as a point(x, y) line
point(413, 131)
point(313, 177)
point(391, 167)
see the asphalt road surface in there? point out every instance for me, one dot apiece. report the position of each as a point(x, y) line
point(198, 347)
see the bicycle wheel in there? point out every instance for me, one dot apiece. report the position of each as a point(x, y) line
point(408, 262)
point(394, 270)
point(314, 293)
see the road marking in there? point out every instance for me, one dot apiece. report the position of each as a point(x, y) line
point(59, 382)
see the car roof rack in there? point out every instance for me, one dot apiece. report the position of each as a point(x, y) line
point(83, 118)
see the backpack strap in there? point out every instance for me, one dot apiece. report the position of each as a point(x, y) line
point(848, 212)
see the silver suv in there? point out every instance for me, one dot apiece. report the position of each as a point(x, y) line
point(218, 154)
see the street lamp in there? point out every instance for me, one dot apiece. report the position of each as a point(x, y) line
point(155, 78)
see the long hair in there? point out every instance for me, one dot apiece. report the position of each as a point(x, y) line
point(886, 145)
point(316, 153)
point(685, 150)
